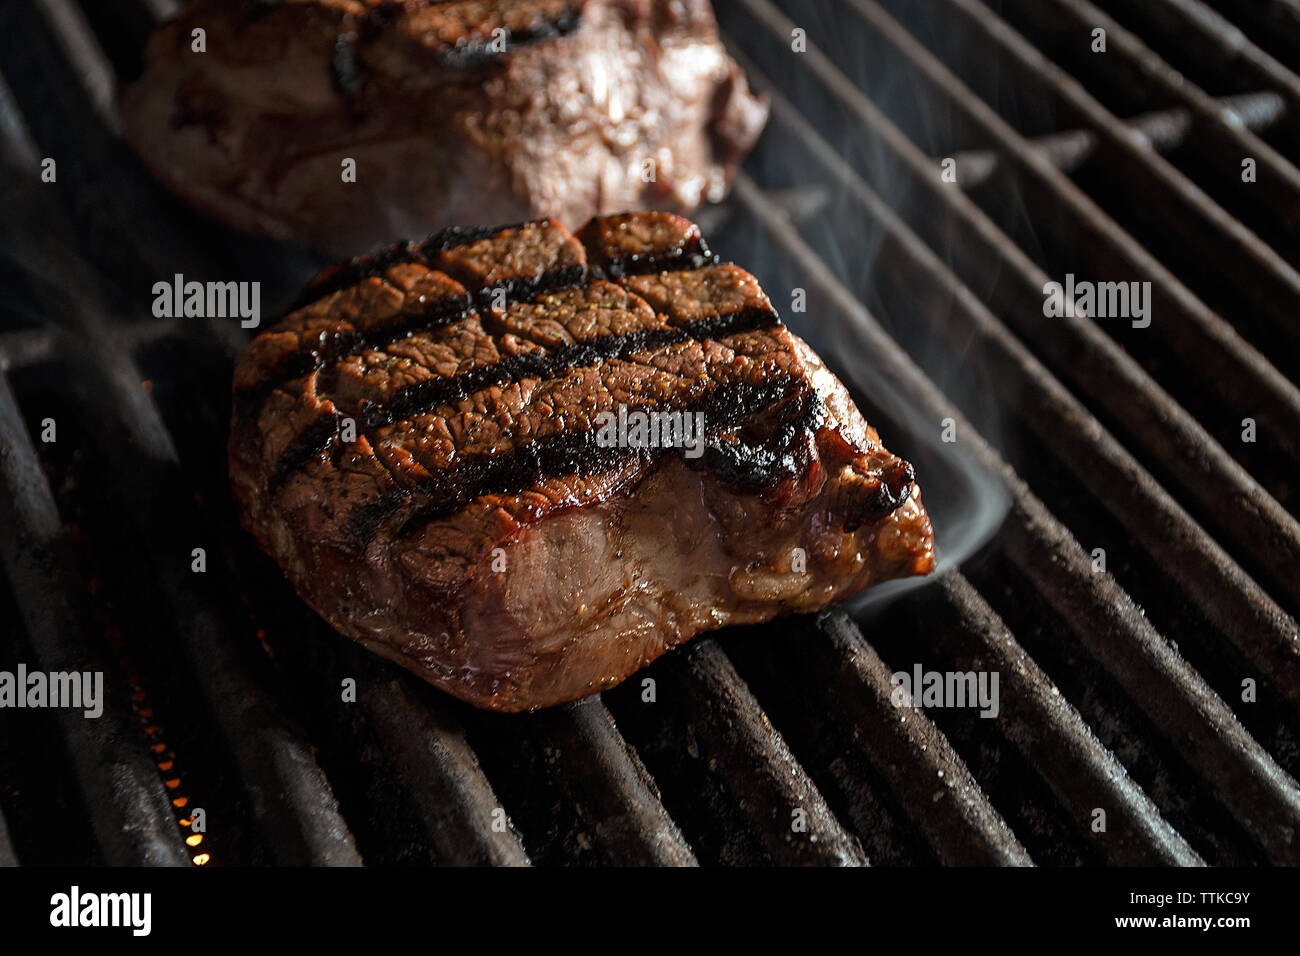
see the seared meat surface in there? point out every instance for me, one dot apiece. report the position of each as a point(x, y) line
point(465, 111)
point(426, 447)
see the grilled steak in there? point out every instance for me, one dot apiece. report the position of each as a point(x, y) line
point(429, 448)
point(468, 111)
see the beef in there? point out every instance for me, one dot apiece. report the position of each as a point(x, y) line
point(421, 446)
point(467, 111)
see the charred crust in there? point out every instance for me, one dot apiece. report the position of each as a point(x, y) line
point(755, 457)
point(523, 288)
point(345, 66)
point(453, 237)
point(468, 55)
point(893, 489)
point(422, 397)
point(348, 273)
point(759, 435)
point(577, 453)
point(340, 344)
point(419, 252)
point(695, 256)
point(690, 251)
point(312, 442)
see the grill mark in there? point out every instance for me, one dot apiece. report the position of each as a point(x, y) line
point(577, 453)
point(525, 288)
point(346, 68)
point(681, 258)
point(750, 463)
point(755, 465)
point(375, 264)
point(739, 461)
point(339, 345)
point(422, 397)
point(894, 489)
point(470, 56)
point(311, 442)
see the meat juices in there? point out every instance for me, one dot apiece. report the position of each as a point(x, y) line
point(449, 112)
point(420, 446)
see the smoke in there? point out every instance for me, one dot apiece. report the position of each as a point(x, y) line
point(830, 164)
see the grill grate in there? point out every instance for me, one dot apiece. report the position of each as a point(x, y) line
point(1119, 688)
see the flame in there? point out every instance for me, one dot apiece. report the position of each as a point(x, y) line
point(180, 801)
point(194, 840)
point(201, 859)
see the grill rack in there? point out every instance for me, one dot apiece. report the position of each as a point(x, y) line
point(1115, 683)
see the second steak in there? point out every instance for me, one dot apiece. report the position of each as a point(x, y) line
point(472, 110)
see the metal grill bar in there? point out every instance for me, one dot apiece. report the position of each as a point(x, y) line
point(714, 750)
point(1272, 24)
point(1192, 20)
point(1166, 130)
point(288, 793)
point(576, 771)
point(1049, 733)
point(847, 685)
point(1244, 513)
point(18, 350)
point(121, 789)
point(1262, 278)
point(1224, 132)
point(7, 855)
point(439, 773)
point(1228, 597)
point(1077, 347)
point(1263, 798)
point(64, 75)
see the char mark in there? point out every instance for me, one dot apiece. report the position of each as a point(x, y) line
point(894, 489)
point(578, 453)
point(422, 252)
point(345, 66)
point(750, 458)
point(681, 258)
point(525, 288)
point(312, 442)
point(339, 345)
point(757, 455)
point(423, 397)
point(473, 55)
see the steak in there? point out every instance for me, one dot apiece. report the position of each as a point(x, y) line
point(469, 111)
point(436, 448)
